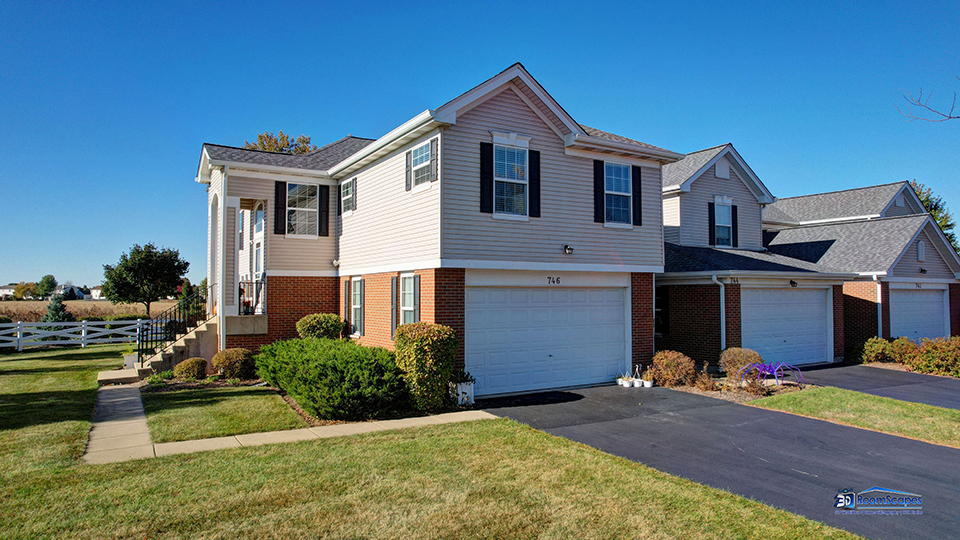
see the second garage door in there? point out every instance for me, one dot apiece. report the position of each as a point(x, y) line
point(520, 339)
point(786, 325)
point(917, 313)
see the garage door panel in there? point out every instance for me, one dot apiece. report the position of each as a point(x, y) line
point(917, 313)
point(786, 325)
point(535, 338)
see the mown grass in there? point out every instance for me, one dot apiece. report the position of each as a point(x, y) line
point(183, 415)
point(917, 420)
point(483, 479)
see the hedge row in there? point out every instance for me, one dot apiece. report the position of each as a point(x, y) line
point(939, 356)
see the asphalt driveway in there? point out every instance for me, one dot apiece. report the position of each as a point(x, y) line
point(929, 389)
point(787, 461)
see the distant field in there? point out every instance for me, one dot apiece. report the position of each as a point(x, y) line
point(33, 310)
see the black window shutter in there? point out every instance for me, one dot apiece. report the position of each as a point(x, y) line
point(339, 199)
point(353, 197)
point(361, 316)
point(434, 159)
point(598, 191)
point(416, 298)
point(712, 221)
point(733, 222)
point(324, 211)
point(393, 306)
point(346, 305)
point(635, 192)
point(533, 183)
point(409, 185)
point(280, 208)
point(486, 177)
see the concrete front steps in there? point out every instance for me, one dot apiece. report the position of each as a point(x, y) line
point(199, 342)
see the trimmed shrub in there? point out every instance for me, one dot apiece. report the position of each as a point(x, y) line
point(321, 325)
point(235, 364)
point(191, 368)
point(733, 360)
point(876, 349)
point(335, 379)
point(939, 356)
point(901, 349)
point(426, 353)
point(704, 381)
point(672, 368)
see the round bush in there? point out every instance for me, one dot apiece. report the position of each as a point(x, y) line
point(320, 325)
point(672, 368)
point(191, 368)
point(733, 360)
point(234, 363)
point(876, 349)
point(901, 349)
point(426, 353)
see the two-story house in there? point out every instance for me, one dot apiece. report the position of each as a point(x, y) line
point(907, 271)
point(534, 237)
point(721, 287)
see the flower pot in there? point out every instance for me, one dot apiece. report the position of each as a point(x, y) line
point(463, 392)
point(647, 384)
point(623, 382)
point(637, 383)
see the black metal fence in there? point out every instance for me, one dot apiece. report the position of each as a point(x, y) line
point(253, 297)
point(167, 327)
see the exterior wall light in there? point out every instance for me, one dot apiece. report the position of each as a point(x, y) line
point(793, 283)
point(568, 249)
point(923, 270)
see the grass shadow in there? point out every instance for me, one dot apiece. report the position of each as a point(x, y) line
point(199, 397)
point(37, 408)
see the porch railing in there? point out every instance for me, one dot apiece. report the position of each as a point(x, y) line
point(163, 330)
point(253, 297)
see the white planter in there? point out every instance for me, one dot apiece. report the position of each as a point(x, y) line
point(463, 392)
point(647, 384)
point(637, 383)
point(623, 382)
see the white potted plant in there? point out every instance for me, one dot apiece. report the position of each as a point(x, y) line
point(648, 377)
point(637, 379)
point(624, 380)
point(461, 387)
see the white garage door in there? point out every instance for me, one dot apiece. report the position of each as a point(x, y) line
point(520, 339)
point(917, 313)
point(786, 325)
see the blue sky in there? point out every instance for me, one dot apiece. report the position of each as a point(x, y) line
point(103, 108)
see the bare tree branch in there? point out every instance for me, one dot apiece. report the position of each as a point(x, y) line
point(937, 114)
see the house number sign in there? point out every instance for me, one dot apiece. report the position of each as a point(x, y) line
point(553, 280)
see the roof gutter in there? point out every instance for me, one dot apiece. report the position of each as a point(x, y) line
point(876, 278)
point(579, 139)
point(723, 313)
point(414, 123)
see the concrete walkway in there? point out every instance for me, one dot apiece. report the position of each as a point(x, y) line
point(120, 430)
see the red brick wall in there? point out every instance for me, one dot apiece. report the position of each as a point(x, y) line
point(859, 314)
point(838, 322)
point(694, 322)
point(731, 310)
point(955, 309)
point(447, 299)
point(885, 307)
point(641, 317)
point(288, 300)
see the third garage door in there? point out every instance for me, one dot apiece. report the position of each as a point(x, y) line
point(917, 313)
point(786, 325)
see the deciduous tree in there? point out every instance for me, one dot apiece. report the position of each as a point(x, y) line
point(281, 143)
point(46, 285)
point(938, 209)
point(144, 275)
point(23, 290)
point(927, 112)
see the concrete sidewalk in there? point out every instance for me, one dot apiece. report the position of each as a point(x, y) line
point(120, 430)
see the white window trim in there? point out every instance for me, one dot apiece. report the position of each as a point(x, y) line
point(509, 217)
point(424, 165)
point(343, 208)
point(525, 182)
point(719, 201)
point(629, 195)
point(286, 217)
point(412, 308)
point(354, 307)
point(420, 187)
point(261, 223)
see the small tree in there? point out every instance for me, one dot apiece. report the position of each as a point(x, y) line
point(283, 143)
point(57, 311)
point(46, 286)
point(144, 275)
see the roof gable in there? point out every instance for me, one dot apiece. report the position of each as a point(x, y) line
point(679, 176)
point(318, 160)
point(850, 204)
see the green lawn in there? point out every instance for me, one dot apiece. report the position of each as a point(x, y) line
point(916, 420)
point(484, 479)
point(184, 415)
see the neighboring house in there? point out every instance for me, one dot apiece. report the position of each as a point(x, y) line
point(787, 309)
point(6, 291)
point(96, 293)
point(884, 235)
point(534, 237)
point(69, 292)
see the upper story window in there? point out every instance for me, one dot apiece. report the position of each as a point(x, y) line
point(258, 219)
point(723, 225)
point(240, 226)
point(302, 209)
point(510, 180)
point(617, 185)
point(420, 163)
point(348, 195)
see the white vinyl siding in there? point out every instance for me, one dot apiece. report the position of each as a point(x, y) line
point(671, 219)
point(510, 180)
point(420, 162)
point(408, 312)
point(909, 208)
point(346, 195)
point(910, 265)
point(617, 180)
point(282, 253)
point(385, 228)
point(694, 219)
point(566, 198)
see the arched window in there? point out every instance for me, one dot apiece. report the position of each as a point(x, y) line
point(258, 218)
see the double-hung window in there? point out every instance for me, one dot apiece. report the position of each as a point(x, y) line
point(510, 180)
point(348, 191)
point(302, 210)
point(356, 306)
point(408, 313)
point(420, 164)
point(617, 186)
point(723, 225)
point(240, 218)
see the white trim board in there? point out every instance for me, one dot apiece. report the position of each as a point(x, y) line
point(498, 265)
point(539, 278)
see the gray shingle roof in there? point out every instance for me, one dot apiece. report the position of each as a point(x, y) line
point(320, 159)
point(600, 134)
point(677, 173)
point(854, 246)
point(700, 259)
point(835, 204)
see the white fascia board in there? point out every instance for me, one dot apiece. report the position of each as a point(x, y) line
point(838, 220)
point(203, 175)
point(747, 274)
point(764, 198)
point(312, 173)
point(903, 191)
point(609, 157)
point(495, 265)
point(586, 142)
point(767, 197)
point(912, 282)
point(413, 124)
point(247, 172)
point(872, 274)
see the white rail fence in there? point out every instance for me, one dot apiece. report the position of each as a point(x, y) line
point(32, 334)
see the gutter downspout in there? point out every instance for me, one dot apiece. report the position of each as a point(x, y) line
point(723, 313)
point(879, 306)
point(221, 279)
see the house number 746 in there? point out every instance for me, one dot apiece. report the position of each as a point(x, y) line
point(553, 280)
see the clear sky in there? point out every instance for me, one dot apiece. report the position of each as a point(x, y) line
point(103, 108)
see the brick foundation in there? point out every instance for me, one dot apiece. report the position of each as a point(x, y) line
point(641, 314)
point(859, 315)
point(288, 300)
point(694, 315)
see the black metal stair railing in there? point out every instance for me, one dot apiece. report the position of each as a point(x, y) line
point(253, 297)
point(169, 326)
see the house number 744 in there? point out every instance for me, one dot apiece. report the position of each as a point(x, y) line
point(553, 280)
